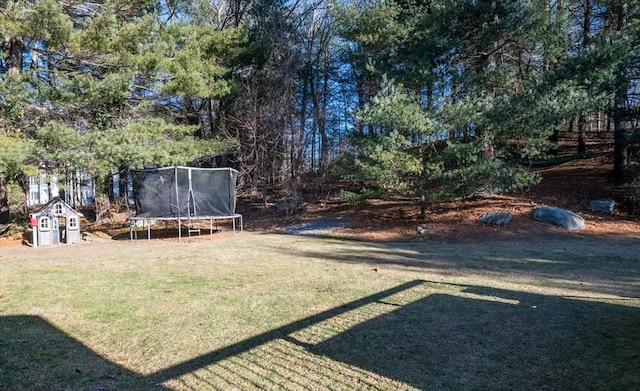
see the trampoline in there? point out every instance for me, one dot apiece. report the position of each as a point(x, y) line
point(186, 195)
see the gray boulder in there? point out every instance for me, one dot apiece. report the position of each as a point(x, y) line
point(560, 217)
point(604, 205)
point(496, 218)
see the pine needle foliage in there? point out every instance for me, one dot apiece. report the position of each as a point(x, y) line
point(497, 80)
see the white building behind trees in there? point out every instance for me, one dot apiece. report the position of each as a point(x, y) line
point(76, 189)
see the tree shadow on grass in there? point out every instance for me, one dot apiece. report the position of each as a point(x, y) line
point(497, 340)
point(36, 355)
point(416, 334)
point(599, 266)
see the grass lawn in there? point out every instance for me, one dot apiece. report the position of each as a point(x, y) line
point(281, 312)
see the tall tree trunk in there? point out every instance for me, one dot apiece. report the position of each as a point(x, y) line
point(582, 124)
point(14, 47)
point(621, 133)
point(322, 127)
point(586, 40)
point(620, 152)
point(5, 216)
point(103, 209)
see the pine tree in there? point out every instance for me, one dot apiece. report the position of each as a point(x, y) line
point(478, 61)
point(93, 86)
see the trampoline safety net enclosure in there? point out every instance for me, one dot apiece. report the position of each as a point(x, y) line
point(185, 194)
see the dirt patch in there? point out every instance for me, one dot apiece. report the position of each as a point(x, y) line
point(570, 186)
point(398, 220)
point(12, 240)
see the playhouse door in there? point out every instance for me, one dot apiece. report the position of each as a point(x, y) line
point(55, 231)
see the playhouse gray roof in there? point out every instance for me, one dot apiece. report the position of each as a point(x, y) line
point(46, 208)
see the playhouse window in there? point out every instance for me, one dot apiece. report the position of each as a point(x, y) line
point(44, 224)
point(73, 223)
point(57, 209)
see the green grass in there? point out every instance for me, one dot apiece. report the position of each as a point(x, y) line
point(283, 312)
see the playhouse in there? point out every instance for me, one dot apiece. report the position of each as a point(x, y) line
point(55, 223)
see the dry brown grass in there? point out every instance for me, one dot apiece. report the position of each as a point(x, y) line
point(265, 311)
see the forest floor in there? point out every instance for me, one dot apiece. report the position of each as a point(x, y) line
point(570, 186)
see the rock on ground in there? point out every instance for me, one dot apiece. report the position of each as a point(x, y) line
point(604, 205)
point(496, 218)
point(560, 217)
